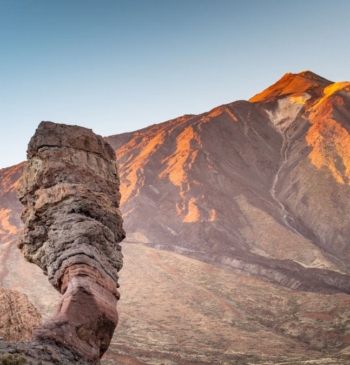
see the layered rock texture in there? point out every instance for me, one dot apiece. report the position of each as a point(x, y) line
point(18, 316)
point(70, 192)
point(238, 226)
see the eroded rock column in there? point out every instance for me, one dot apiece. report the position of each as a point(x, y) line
point(70, 193)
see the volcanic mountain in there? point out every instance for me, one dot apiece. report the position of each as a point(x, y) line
point(259, 186)
point(237, 231)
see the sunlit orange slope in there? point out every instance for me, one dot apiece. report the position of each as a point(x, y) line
point(249, 184)
point(291, 84)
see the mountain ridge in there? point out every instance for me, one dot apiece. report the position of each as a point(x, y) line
point(293, 83)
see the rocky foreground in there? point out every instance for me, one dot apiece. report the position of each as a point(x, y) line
point(18, 316)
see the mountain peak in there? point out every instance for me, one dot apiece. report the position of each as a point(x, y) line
point(312, 76)
point(299, 83)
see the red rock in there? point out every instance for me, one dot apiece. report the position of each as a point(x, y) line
point(70, 193)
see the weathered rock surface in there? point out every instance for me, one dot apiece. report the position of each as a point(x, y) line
point(70, 193)
point(71, 198)
point(18, 316)
point(38, 353)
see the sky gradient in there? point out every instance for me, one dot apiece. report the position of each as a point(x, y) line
point(121, 65)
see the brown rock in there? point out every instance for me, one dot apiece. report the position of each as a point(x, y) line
point(70, 193)
point(51, 135)
point(38, 353)
point(18, 316)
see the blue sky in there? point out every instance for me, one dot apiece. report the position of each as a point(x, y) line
point(120, 65)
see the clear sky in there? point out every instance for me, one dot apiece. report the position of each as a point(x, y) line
point(121, 65)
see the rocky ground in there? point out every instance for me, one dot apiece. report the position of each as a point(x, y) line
point(212, 316)
point(37, 353)
point(18, 316)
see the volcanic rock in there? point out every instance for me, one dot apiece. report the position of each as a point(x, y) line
point(18, 316)
point(37, 353)
point(70, 193)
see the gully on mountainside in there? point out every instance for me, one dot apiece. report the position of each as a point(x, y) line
point(287, 113)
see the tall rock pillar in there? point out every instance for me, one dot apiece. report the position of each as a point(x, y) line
point(70, 193)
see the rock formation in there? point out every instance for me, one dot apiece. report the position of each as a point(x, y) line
point(70, 193)
point(18, 316)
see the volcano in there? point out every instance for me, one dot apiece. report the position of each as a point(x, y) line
point(259, 186)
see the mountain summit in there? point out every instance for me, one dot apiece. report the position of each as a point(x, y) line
point(289, 84)
point(255, 186)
